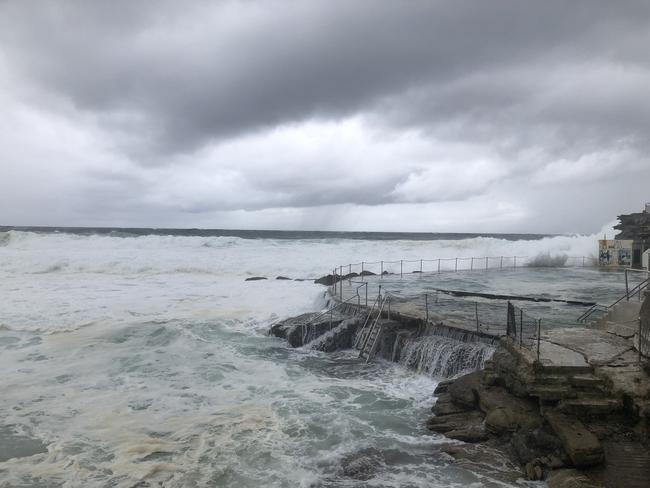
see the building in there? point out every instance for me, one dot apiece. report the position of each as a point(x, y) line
point(630, 243)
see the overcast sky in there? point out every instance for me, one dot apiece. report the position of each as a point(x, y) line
point(477, 116)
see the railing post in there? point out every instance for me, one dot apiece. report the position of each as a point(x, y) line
point(501, 263)
point(334, 280)
point(420, 266)
point(381, 275)
point(388, 298)
point(331, 314)
point(456, 266)
point(426, 307)
point(341, 286)
point(539, 333)
point(476, 314)
point(521, 327)
point(471, 265)
point(487, 265)
point(438, 265)
point(640, 340)
point(362, 264)
point(366, 295)
point(401, 268)
point(627, 288)
point(349, 269)
point(515, 261)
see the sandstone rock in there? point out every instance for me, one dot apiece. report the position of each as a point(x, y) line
point(569, 478)
point(499, 420)
point(282, 278)
point(442, 387)
point(463, 391)
point(457, 421)
point(362, 465)
point(445, 405)
point(582, 446)
point(256, 278)
point(472, 434)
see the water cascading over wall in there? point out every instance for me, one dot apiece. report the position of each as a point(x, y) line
point(444, 356)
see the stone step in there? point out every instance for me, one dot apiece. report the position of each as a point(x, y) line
point(587, 381)
point(582, 446)
point(591, 406)
point(551, 392)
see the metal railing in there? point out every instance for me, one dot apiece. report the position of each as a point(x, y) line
point(524, 329)
point(442, 265)
point(635, 291)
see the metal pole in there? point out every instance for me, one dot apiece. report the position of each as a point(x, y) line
point(366, 294)
point(334, 280)
point(539, 333)
point(426, 307)
point(420, 266)
point(382, 270)
point(362, 263)
point(438, 265)
point(627, 289)
point(349, 268)
point(341, 286)
point(486, 262)
point(639, 340)
point(501, 263)
point(521, 327)
point(401, 263)
point(456, 267)
point(476, 313)
point(471, 266)
point(388, 307)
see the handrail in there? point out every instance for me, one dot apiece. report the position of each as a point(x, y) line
point(365, 323)
point(379, 311)
point(606, 308)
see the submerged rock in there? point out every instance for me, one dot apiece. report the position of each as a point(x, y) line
point(362, 465)
point(256, 278)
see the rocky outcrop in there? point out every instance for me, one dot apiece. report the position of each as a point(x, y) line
point(304, 328)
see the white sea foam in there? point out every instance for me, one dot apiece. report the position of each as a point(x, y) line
point(145, 358)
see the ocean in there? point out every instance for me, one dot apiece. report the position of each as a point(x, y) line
point(140, 357)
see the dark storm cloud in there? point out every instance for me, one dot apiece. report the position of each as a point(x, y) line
point(217, 96)
point(214, 70)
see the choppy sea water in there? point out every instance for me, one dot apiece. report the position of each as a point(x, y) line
point(143, 360)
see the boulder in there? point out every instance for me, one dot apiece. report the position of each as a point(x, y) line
point(464, 390)
point(256, 278)
point(282, 278)
point(569, 478)
point(362, 465)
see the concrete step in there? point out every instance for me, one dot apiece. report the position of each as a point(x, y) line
point(587, 381)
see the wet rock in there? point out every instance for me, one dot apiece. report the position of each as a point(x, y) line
point(256, 278)
point(582, 446)
point(445, 405)
point(340, 337)
point(367, 273)
point(282, 278)
point(304, 328)
point(569, 478)
point(327, 280)
point(454, 422)
point(362, 465)
point(463, 391)
point(471, 434)
point(442, 387)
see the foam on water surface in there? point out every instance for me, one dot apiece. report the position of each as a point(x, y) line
point(145, 359)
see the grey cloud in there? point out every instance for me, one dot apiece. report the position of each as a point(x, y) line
point(216, 70)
